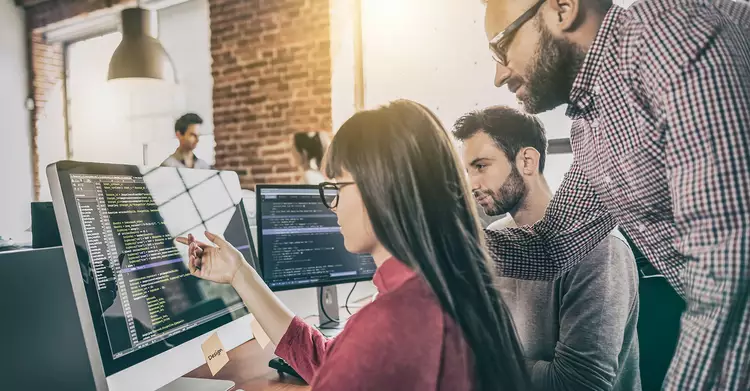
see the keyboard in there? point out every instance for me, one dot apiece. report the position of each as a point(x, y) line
point(283, 368)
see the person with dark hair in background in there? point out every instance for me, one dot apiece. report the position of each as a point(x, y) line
point(659, 94)
point(579, 331)
point(187, 130)
point(309, 148)
point(438, 322)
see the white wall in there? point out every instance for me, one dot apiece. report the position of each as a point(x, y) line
point(98, 131)
point(304, 302)
point(624, 3)
point(15, 134)
point(435, 53)
point(343, 26)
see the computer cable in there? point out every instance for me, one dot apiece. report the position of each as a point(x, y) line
point(346, 303)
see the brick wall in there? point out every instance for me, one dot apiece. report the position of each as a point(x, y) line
point(272, 78)
point(271, 69)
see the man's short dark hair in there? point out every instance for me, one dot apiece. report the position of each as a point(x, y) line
point(511, 130)
point(182, 123)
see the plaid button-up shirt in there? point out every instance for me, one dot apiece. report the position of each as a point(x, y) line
point(661, 145)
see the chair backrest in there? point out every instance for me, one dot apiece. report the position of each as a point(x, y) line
point(45, 345)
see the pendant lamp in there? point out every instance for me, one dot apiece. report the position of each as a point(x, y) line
point(140, 54)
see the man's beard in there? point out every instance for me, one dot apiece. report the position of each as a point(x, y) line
point(552, 73)
point(508, 198)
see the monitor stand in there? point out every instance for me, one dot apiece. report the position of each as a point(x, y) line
point(194, 384)
point(328, 308)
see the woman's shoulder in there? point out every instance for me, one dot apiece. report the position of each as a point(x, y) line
point(411, 306)
point(395, 341)
point(400, 326)
point(407, 340)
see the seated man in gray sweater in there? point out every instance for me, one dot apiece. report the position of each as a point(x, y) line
point(578, 332)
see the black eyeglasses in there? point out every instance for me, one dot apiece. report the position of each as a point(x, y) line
point(499, 44)
point(329, 192)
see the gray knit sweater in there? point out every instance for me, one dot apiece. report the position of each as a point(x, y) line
point(579, 332)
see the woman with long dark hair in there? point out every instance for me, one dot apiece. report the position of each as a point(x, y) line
point(438, 322)
point(309, 148)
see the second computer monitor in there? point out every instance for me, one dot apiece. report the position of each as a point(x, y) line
point(300, 243)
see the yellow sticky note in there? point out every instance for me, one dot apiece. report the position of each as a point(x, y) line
point(259, 333)
point(216, 356)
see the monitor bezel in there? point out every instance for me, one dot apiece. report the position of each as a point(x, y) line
point(259, 226)
point(89, 311)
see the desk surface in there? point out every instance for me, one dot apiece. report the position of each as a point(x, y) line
point(248, 368)
point(248, 365)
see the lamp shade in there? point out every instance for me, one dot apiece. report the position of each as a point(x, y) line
point(140, 54)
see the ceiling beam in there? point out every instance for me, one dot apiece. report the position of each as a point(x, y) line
point(30, 3)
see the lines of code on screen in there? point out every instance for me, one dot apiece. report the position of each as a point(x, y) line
point(302, 242)
point(145, 290)
point(136, 219)
point(151, 264)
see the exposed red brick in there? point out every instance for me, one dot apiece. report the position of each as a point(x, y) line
point(46, 71)
point(272, 78)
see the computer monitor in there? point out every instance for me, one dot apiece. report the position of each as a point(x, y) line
point(300, 245)
point(144, 316)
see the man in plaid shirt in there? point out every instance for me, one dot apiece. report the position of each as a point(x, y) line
point(660, 97)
